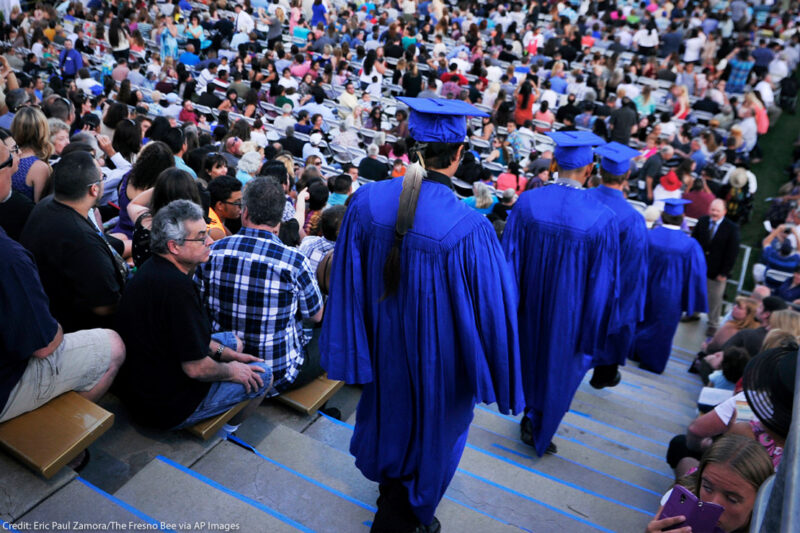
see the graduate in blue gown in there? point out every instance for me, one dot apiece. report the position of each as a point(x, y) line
point(563, 247)
point(676, 283)
point(614, 170)
point(422, 311)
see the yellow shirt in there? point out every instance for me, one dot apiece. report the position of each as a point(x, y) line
point(216, 222)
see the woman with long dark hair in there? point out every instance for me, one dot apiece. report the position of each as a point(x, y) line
point(119, 39)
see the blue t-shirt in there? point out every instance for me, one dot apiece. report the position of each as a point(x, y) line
point(27, 324)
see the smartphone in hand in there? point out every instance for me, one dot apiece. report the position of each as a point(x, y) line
point(701, 516)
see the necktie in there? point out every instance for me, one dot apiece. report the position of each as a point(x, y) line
point(714, 226)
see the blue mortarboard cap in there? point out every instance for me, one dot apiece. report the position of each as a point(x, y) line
point(674, 206)
point(439, 120)
point(616, 157)
point(574, 148)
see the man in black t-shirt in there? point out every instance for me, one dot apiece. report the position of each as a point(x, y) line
point(372, 169)
point(177, 373)
point(79, 271)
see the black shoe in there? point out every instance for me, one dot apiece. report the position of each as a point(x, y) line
point(693, 367)
point(433, 527)
point(690, 318)
point(526, 436)
point(332, 412)
point(613, 383)
point(80, 462)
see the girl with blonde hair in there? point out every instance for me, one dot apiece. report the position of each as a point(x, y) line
point(743, 317)
point(32, 134)
point(786, 320)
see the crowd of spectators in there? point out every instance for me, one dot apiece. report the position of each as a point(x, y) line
point(172, 174)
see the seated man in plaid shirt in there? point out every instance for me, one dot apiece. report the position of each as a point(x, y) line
point(261, 289)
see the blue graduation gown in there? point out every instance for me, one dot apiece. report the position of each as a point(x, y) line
point(563, 246)
point(676, 283)
point(632, 273)
point(444, 341)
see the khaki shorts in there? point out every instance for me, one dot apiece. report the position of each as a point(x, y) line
point(77, 364)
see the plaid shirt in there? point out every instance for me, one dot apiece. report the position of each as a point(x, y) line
point(254, 286)
point(737, 78)
point(315, 248)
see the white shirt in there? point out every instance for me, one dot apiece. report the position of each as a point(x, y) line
point(693, 48)
point(282, 122)
point(749, 132)
point(244, 22)
point(767, 94)
point(309, 150)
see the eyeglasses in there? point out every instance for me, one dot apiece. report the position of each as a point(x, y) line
point(8, 162)
point(92, 184)
point(201, 238)
point(14, 150)
point(237, 204)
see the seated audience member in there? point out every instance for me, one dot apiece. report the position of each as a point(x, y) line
point(751, 339)
point(177, 373)
point(38, 361)
point(342, 188)
point(81, 274)
point(315, 248)
point(274, 282)
point(15, 208)
point(501, 209)
point(729, 474)
point(226, 204)
point(171, 184)
point(789, 290)
point(729, 367)
point(483, 199)
point(779, 252)
point(372, 169)
point(743, 316)
point(716, 422)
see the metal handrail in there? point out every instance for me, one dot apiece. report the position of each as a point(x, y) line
point(790, 517)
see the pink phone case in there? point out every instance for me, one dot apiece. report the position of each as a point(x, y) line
point(701, 516)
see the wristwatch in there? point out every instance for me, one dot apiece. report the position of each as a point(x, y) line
point(217, 355)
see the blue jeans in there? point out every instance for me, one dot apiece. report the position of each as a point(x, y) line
point(225, 394)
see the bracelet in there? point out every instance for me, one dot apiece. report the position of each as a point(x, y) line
point(217, 355)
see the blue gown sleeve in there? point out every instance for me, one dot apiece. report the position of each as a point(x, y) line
point(601, 302)
point(485, 296)
point(633, 270)
point(344, 346)
point(695, 296)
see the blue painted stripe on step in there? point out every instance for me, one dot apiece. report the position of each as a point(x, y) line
point(241, 497)
point(311, 480)
point(5, 526)
point(629, 384)
point(624, 444)
point(336, 421)
point(462, 504)
point(681, 348)
point(646, 512)
point(125, 505)
point(616, 428)
point(534, 500)
point(561, 457)
point(367, 523)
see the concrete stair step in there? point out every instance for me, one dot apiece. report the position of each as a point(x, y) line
point(127, 447)
point(626, 417)
point(580, 442)
point(336, 470)
point(683, 385)
point(303, 497)
point(482, 493)
point(171, 493)
point(658, 389)
point(21, 489)
point(81, 503)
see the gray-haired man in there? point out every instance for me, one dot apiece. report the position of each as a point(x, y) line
point(178, 373)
